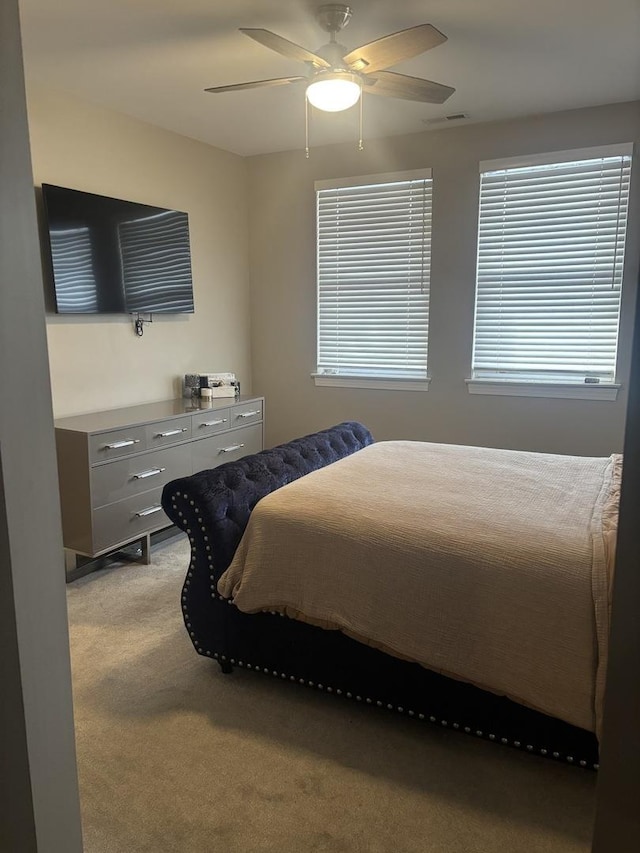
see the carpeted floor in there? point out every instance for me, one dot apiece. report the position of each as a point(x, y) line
point(175, 756)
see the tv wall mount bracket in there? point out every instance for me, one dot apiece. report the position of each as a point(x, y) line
point(138, 323)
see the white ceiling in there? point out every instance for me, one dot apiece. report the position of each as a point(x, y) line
point(153, 58)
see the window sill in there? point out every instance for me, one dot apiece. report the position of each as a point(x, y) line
point(563, 390)
point(377, 383)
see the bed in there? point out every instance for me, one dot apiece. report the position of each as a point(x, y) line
point(468, 587)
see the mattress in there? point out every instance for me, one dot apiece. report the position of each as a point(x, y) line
point(490, 566)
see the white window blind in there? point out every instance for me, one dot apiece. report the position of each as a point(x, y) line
point(374, 248)
point(549, 275)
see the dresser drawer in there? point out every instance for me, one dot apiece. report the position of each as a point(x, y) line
point(116, 443)
point(248, 413)
point(213, 451)
point(164, 433)
point(125, 520)
point(127, 477)
point(209, 423)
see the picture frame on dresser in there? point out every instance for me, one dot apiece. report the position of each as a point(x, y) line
point(113, 465)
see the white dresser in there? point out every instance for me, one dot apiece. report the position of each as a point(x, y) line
point(113, 464)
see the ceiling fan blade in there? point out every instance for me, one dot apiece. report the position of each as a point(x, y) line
point(256, 84)
point(409, 88)
point(393, 48)
point(285, 47)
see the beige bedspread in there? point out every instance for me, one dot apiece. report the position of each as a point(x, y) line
point(492, 566)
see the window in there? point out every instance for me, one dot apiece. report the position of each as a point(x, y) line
point(549, 276)
point(374, 247)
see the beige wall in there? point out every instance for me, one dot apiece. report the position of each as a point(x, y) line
point(282, 231)
point(98, 362)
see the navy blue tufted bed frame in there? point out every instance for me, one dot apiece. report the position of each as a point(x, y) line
point(213, 508)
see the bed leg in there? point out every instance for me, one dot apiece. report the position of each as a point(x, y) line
point(225, 666)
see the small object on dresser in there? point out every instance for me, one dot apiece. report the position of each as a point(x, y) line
point(205, 393)
point(220, 384)
point(222, 391)
point(191, 385)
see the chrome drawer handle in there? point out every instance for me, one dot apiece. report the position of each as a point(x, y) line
point(214, 423)
point(149, 511)
point(248, 414)
point(118, 444)
point(170, 432)
point(150, 473)
point(230, 449)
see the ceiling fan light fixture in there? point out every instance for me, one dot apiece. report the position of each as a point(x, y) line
point(334, 91)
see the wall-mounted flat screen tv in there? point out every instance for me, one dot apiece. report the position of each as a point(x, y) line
point(110, 256)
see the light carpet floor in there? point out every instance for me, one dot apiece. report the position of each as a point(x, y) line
point(175, 756)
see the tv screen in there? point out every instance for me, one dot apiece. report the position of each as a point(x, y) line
point(110, 256)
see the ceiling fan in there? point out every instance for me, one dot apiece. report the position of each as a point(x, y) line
point(337, 76)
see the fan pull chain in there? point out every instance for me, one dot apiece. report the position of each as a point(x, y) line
point(306, 126)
